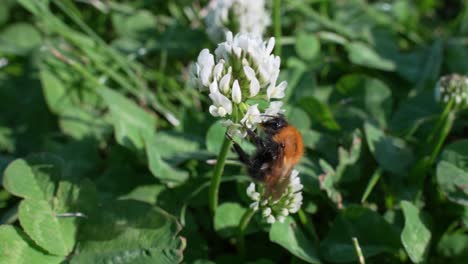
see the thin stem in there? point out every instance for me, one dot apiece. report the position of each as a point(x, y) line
point(445, 130)
point(358, 251)
point(218, 172)
point(438, 134)
point(370, 186)
point(277, 26)
point(440, 121)
point(242, 227)
point(309, 227)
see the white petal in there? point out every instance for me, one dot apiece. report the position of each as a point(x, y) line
point(229, 36)
point(254, 206)
point(214, 87)
point(271, 219)
point(236, 92)
point(252, 117)
point(205, 58)
point(220, 100)
point(271, 45)
point(237, 51)
point(251, 188)
point(297, 187)
point(213, 110)
point(254, 87)
point(266, 212)
point(295, 181)
point(218, 70)
point(249, 72)
point(224, 83)
point(281, 219)
point(255, 196)
point(278, 91)
point(222, 111)
point(274, 109)
point(205, 75)
point(294, 173)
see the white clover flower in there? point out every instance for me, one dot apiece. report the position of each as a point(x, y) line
point(235, 15)
point(242, 68)
point(252, 116)
point(452, 87)
point(221, 104)
point(274, 210)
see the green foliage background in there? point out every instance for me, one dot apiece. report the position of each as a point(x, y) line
point(104, 145)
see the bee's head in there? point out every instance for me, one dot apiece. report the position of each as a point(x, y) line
point(274, 124)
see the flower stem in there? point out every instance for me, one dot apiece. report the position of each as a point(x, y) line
point(438, 134)
point(277, 26)
point(358, 251)
point(440, 121)
point(218, 172)
point(309, 227)
point(445, 130)
point(242, 227)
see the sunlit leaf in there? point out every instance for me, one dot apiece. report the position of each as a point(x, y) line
point(16, 247)
point(292, 238)
point(415, 235)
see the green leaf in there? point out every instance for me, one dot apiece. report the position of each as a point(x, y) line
point(453, 182)
point(17, 248)
point(159, 168)
point(416, 235)
point(227, 219)
point(291, 237)
point(214, 137)
point(390, 152)
point(361, 54)
point(34, 6)
point(457, 154)
point(34, 177)
point(456, 56)
point(179, 147)
point(136, 24)
point(19, 39)
point(131, 123)
point(319, 112)
point(415, 111)
point(54, 234)
point(7, 140)
point(298, 118)
point(129, 232)
point(369, 94)
point(307, 46)
point(81, 124)
point(454, 246)
point(55, 92)
point(374, 234)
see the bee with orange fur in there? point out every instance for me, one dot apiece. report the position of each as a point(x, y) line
point(276, 155)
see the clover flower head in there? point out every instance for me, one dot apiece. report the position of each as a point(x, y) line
point(241, 70)
point(235, 15)
point(452, 87)
point(277, 209)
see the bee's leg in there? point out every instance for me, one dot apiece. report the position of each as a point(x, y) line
point(243, 156)
point(258, 141)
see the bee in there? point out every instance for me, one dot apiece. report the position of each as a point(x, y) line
point(276, 154)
